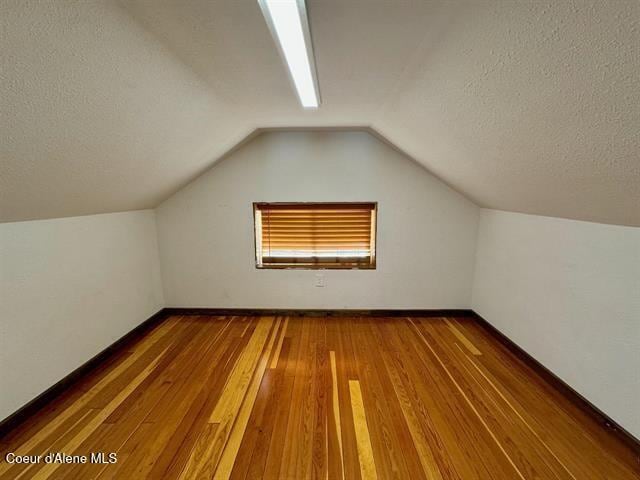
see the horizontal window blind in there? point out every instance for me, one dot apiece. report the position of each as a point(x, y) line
point(321, 235)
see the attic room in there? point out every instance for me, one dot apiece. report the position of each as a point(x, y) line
point(338, 239)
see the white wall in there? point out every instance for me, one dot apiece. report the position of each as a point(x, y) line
point(568, 292)
point(426, 231)
point(69, 288)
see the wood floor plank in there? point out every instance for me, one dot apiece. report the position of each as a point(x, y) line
point(551, 459)
point(422, 410)
point(95, 422)
point(284, 405)
point(321, 377)
point(424, 449)
point(280, 390)
point(297, 455)
point(232, 446)
point(474, 409)
point(468, 443)
point(51, 426)
point(504, 427)
point(189, 382)
point(567, 431)
point(464, 340)
point(209, 450)
point(335, 410)
point(276, 355)
point(365, 450)
point(397, 454)
point(306, 397)
point(134, 410)
point(176, 452)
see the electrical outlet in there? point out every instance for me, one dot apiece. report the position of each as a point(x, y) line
point(319, 280)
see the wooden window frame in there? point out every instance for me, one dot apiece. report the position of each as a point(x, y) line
point(370, 265)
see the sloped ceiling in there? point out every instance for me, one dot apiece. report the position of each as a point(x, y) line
point(523, 106)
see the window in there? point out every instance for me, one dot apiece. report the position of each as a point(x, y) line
point(315, 235)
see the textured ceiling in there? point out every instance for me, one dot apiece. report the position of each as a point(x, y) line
point(524, 106)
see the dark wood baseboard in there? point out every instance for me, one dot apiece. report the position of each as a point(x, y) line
point(249, 312)
point(567, 391)
point(83, 370)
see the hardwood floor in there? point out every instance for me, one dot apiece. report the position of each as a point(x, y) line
point(315, 397)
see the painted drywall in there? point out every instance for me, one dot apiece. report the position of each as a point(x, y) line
point(426, 230)
point(568, 292)
point(68, 289)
